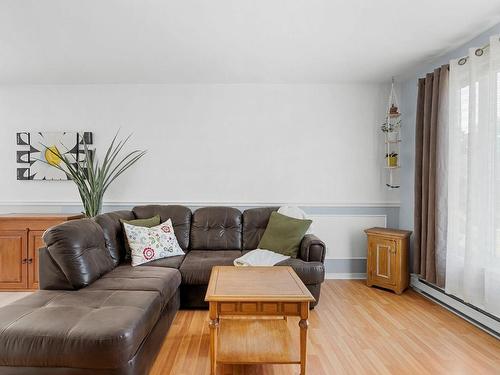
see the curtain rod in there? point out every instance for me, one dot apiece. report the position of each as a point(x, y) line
point(477, 52)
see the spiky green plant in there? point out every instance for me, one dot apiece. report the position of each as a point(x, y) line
point(93, 178)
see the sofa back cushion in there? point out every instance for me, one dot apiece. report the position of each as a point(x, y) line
point(78, 248)
point(254, 225)
point(50, 275)
point(216, 228)
point(113, 232)
point(180, 216)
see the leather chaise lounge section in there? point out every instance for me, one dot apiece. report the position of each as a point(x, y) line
point(96, 314)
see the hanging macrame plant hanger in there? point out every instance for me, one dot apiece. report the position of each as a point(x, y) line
point(391, 129)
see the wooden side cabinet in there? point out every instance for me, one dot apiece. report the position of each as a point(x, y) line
point(387, 260)
point(20, 239)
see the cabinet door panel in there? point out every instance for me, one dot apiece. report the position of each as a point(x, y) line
point(383, 260)
point(13, 254)
point(35, 242)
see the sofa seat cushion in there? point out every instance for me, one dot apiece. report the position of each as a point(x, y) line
point(165, 281)
point(308, 272)
point(85, 329)
point(170, 262)
point(197, 265)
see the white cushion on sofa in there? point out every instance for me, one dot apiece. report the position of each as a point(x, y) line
point(147, 244)
point(296, 213)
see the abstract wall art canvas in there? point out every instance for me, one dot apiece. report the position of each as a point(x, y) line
point(37, 153)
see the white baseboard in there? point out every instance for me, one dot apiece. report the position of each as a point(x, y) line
point(345, 276)
point(457, 307)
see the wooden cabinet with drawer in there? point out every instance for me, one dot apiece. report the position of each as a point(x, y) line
point(387, 258)
point(20, 239)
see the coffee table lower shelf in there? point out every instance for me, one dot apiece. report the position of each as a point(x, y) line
point(256, 341)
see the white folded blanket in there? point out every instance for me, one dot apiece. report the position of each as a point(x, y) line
point(259, 257)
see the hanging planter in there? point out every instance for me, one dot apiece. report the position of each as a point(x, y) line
point(392, 136)
point(391, 129)
point(392, 159)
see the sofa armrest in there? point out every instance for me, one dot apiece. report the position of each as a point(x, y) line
point(312, 249)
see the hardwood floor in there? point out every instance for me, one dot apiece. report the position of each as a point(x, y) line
point(353, 330)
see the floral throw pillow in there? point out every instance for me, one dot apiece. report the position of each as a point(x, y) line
point(147, 244)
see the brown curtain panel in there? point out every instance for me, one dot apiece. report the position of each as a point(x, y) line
point(431, 103)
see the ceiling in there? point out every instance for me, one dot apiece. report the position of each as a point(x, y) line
point(229, 41)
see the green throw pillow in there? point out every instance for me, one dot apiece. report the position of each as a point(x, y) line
point(148, 223)
point(283, 234)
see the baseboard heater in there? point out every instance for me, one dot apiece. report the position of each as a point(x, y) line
point(480, 318)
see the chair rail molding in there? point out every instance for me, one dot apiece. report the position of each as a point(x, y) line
point(208, 203)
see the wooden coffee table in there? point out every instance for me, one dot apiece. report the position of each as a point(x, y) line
point(240, 293)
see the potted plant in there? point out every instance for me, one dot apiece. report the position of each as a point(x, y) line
point(391, 129)
point(93, 177)
point(392, 159)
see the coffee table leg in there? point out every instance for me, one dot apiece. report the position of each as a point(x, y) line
point(213, 324)
point(303, 324)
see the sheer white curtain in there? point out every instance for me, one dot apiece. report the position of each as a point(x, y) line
point(473, 239)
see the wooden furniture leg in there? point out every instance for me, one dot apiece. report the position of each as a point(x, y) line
point(303, 324)
point(213, 324)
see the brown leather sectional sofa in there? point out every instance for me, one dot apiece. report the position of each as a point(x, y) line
point(96, 314)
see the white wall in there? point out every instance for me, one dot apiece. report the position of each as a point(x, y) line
point(318, 146)
point(314, 144)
